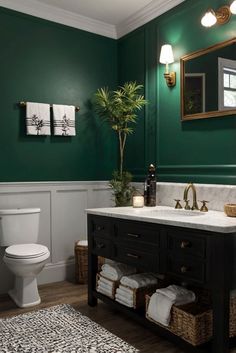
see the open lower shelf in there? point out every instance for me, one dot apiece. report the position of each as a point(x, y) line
point(139, 316)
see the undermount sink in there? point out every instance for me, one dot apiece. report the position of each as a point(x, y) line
point(175, 213)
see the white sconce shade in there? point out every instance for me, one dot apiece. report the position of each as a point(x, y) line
point(209, 19)
point(166, 56)
point(233, 7)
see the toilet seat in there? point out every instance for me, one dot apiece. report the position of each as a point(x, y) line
point(26, 251)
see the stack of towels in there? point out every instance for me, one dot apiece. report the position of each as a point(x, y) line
point(112, 272)
point(159, 308)
point(125, 292)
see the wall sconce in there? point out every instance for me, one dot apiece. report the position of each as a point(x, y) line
point(220, 16)
point(167, 57)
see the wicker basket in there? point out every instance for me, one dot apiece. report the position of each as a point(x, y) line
point(230, 209)
point(193, 322)
point(115, 285)
point(139, 294)
point(81, 262)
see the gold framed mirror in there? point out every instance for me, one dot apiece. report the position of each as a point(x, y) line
point(208, 82)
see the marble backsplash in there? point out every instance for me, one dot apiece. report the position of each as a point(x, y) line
point(217, 195)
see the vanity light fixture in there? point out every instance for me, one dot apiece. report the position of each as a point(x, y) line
point(167, 57)
point(220, 16)
point(233, 7)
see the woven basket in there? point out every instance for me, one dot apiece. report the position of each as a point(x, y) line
point(230, 209)
point(115, 285)
point(193, 322)
point(81, 262)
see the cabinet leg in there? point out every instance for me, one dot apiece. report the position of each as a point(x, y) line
point(92, 271)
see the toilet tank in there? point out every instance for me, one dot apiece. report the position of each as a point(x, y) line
point(19, 226)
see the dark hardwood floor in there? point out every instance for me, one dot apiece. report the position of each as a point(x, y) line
point(117, 323)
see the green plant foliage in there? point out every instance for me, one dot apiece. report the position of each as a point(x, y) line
point(119, 108)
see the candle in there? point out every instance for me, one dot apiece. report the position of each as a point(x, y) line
point(138, 201)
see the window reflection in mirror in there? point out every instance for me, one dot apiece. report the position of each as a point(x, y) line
point(208, 82)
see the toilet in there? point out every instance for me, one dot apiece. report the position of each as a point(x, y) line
point(25, 258)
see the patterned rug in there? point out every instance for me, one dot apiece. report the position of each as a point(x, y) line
point(59, 329)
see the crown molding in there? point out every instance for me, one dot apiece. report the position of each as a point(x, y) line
point(146, 14)
point(55, 14)
point(51, 13)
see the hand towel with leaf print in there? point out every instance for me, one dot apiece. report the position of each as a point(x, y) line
point(64, 120)
point(37, 119)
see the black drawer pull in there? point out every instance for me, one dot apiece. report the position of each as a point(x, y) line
point(184, 269)
point(185, 244)
point(100, 246)
point(133, 235)
point(99, 228)
point(133, 256)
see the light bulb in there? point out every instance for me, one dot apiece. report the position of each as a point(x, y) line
point(233, 7)
point(209, 19)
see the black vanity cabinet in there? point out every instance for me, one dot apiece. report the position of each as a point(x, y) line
point(201, 258)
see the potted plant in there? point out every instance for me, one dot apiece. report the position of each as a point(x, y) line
point(119, 108)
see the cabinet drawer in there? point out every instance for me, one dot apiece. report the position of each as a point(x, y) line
point(185, 243)
point(140, 233)
point(137, 258)
point(187, 268)
point(102, 246)
point(101, 226)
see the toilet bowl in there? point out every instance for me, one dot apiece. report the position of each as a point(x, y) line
point(25, 259)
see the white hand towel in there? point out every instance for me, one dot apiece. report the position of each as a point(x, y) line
point(124, 295)
point(115, 271)
point(64, 120)
point(103, 290)
point(108, 286)
point(126, 289)
point(104, 280)
point(159, 308)
point(139, 280)
point(37, 119)
point(124, 301)
point(177, 294)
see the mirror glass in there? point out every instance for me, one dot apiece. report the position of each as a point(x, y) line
point(208, 82)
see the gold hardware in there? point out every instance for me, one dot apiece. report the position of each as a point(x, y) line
point(23, 104)
point(223, 15)
point(187, 207)
point(134, 235)
point(185, 244)
point(204, 207)
point(195, 205)
point(170, 79)
point(133, 256)
point(178, 205)
point(183, 269)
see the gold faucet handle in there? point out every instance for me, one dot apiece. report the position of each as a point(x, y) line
point(204, 207)
point(187, 207)
point(178, 204)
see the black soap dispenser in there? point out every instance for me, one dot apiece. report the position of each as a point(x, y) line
point(150, 187)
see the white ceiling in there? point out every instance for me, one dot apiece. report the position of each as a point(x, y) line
point(108, 11)
point(110, 18)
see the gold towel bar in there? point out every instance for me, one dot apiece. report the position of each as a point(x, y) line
point(23, 104)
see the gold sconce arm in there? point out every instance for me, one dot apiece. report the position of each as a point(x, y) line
point(170, 78)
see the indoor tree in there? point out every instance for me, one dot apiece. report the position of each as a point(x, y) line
point(119, 108)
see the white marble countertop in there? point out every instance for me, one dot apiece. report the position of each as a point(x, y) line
point(215, 221)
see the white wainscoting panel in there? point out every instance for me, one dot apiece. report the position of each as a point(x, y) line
point(62, 220)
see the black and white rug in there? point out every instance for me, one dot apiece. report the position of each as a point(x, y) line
point(59, 329)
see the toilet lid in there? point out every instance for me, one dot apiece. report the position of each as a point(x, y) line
point(27, 251)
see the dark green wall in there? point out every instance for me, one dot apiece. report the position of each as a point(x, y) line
point(41, 61)
point(201, 150)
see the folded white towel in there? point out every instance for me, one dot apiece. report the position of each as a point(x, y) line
point(37, 119)
point(179, 295)
point(64, 120)
point(105, 285)
point(125, 289)
point(139, 280)
point(105, 280)
point(124, 295)
point(115, 271)
point(159, 308)
point(121, 300)
point(103, 290)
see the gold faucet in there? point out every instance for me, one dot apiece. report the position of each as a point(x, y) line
point(186, 190)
